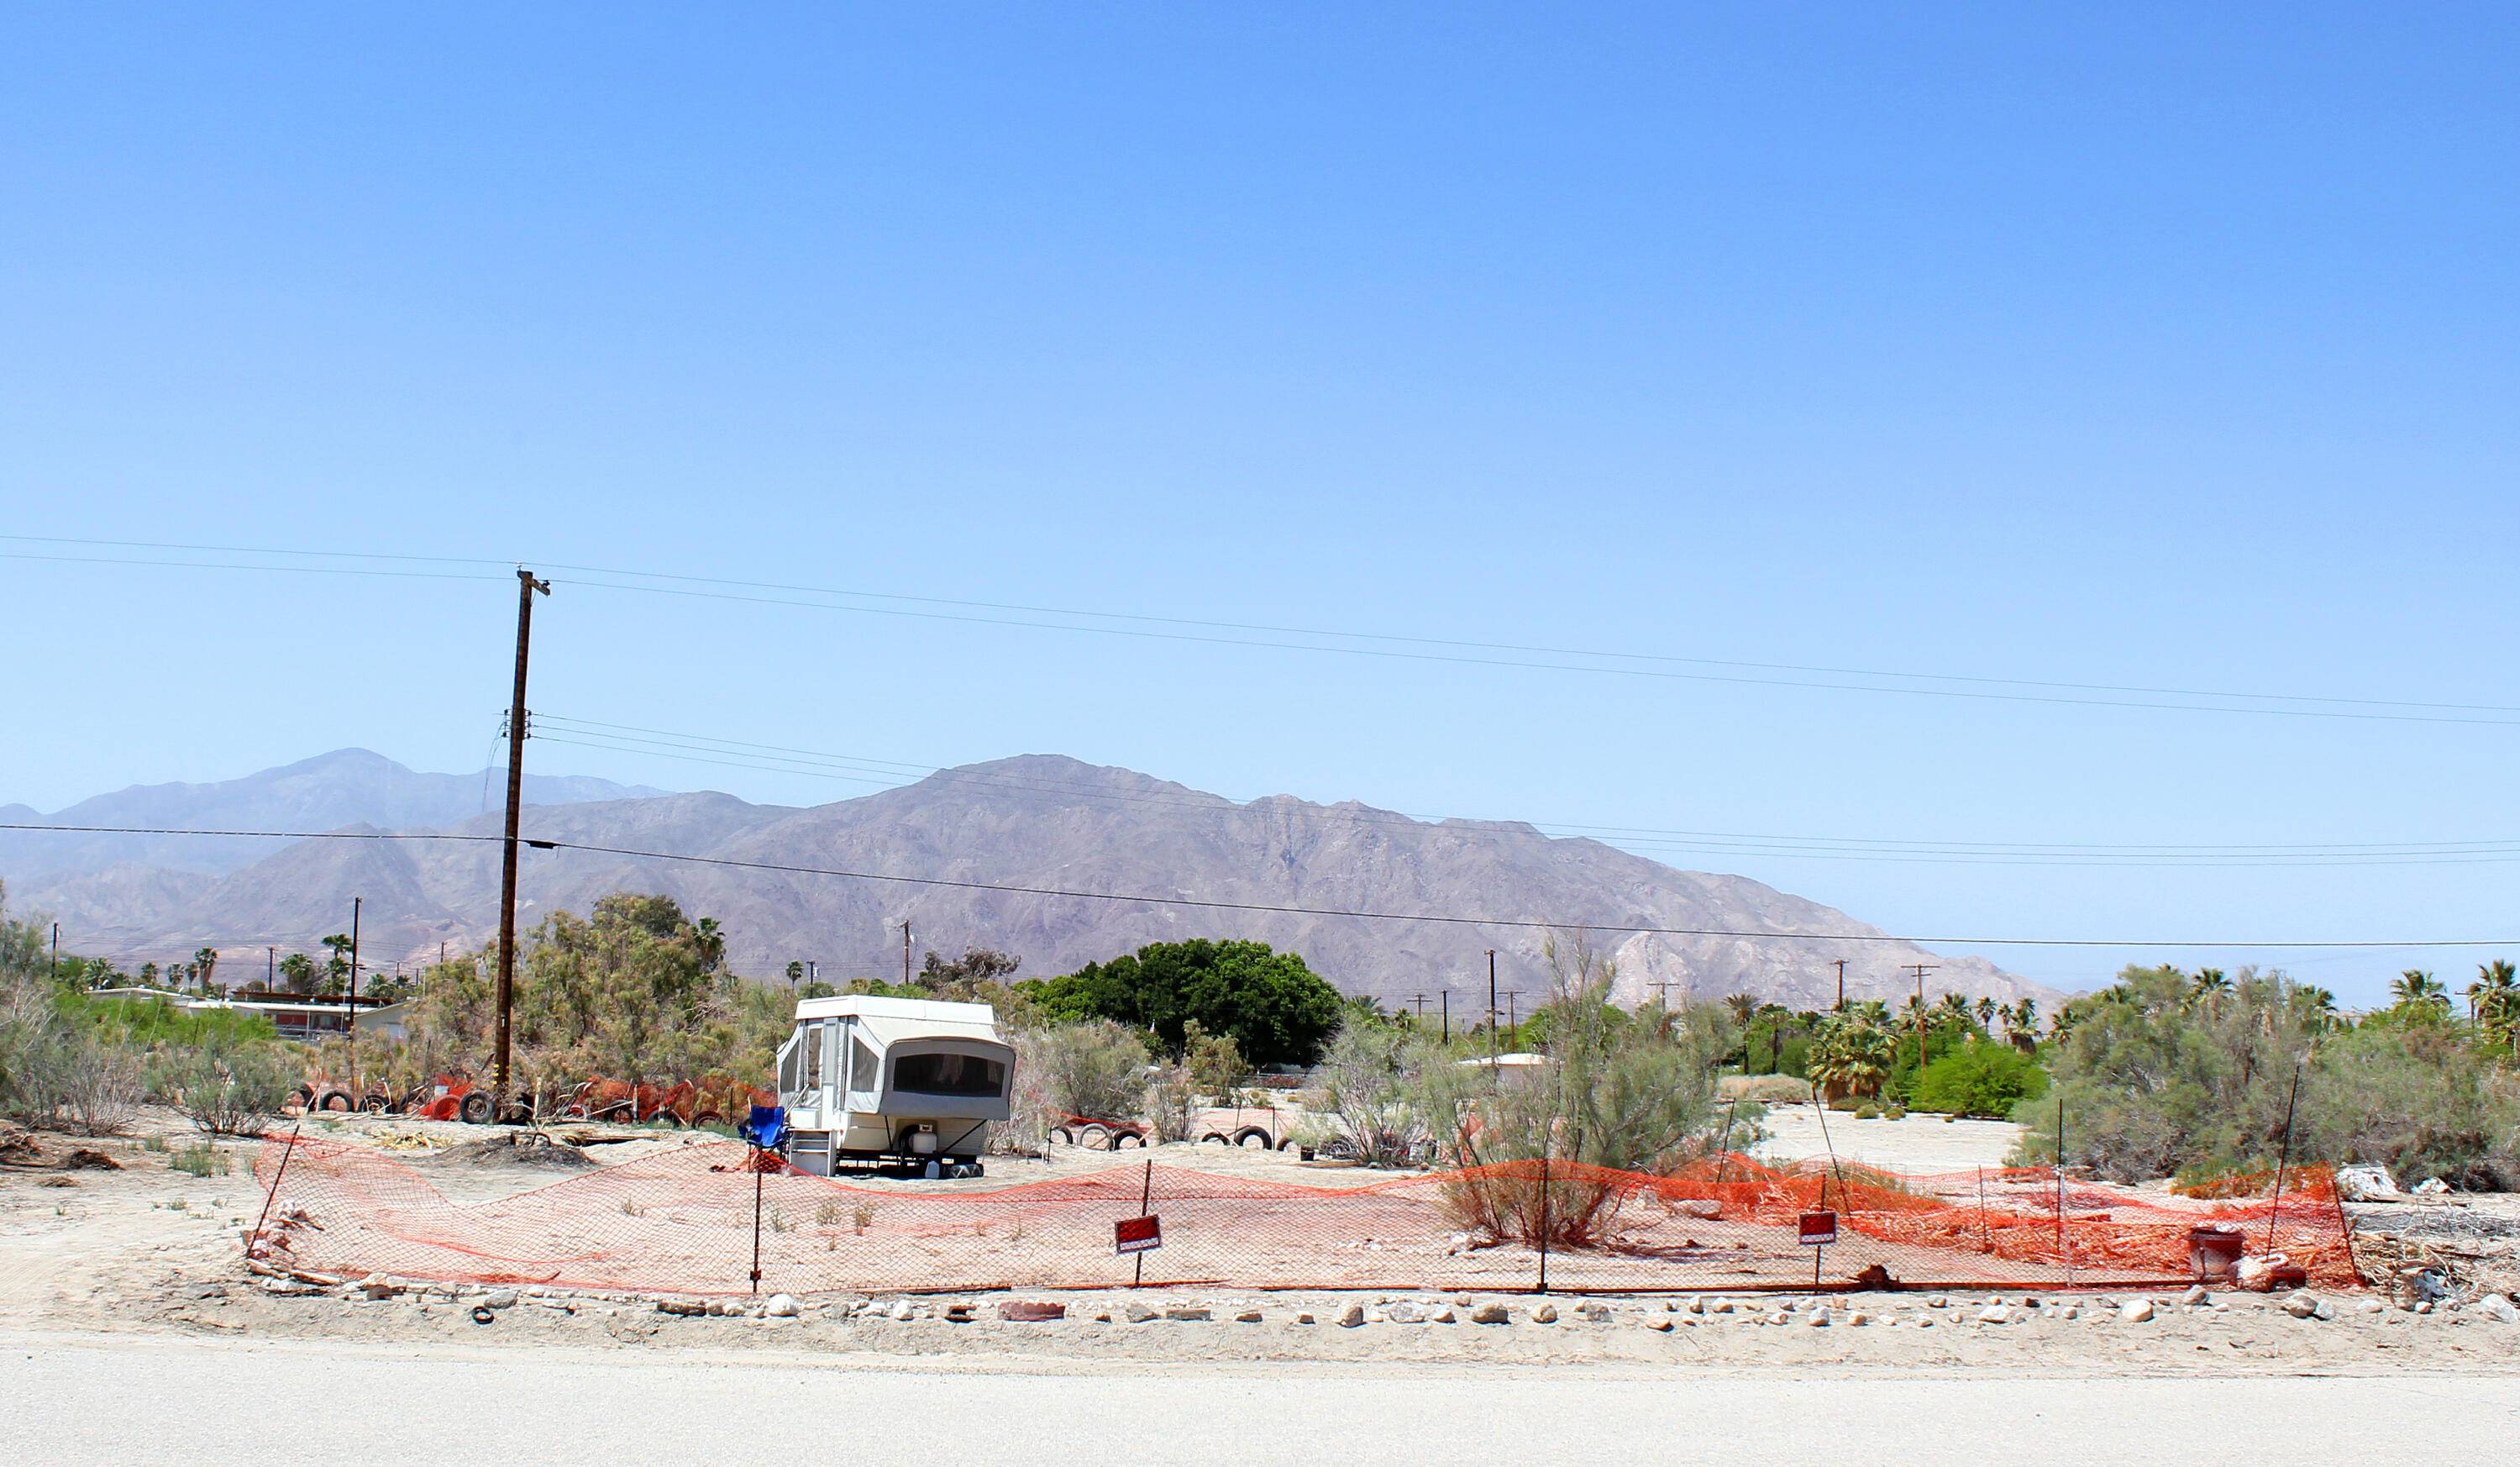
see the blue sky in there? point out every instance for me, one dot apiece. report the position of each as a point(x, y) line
point(2110, 345)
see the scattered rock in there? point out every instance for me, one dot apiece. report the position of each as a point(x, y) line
point(1351, 1316)
point(1248, 1316)
point(900, 1309)
point(1544, 1314)
point(2136, 1311)
point(1462, 1301)
point(1660, 1323)
point(2370, 1306)
point(1938, 1301)
point(506, 1299)
point(57, 1180)
point(959, 1312)
point(1030, 1310)
point(1859, 1318)
point(1817, 1319)
point(1138, 1314)
point(87, 1159)
point(2431, 1186)
point(684, 1307)
point(1995, 1313)
point(1188, 1312)
point(2303, 1305)
point(2497, 1308)
point(1926, 1323)
point(206, 1291)
point(1696, 1304)
point(1444, 1315)
point(1721, 1307)
point(2366, 1185)
point(2194, 1296)
point(1305, 1316)
point(1697, 1208)
point(1490, 1313)
point(1596, 1313)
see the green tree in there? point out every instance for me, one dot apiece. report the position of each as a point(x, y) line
point(297, 971)
point(1276, 1009)
point(1980, 1078)
point(1850, 1056)
point(2417, 991)
point(205, 962)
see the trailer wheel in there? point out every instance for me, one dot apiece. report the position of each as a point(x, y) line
point(475, 1108)
point(334, 1100)
point(1061, 1135)
point(1250, 1134)
point(1127, 1139)
point(1096, 1138)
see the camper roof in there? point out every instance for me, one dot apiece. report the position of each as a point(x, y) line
point(902, 1017)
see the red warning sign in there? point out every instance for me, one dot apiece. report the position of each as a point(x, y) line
point(1818, 1229)
point(1138, 1234)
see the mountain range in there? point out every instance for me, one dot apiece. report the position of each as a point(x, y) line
point(1053, 824)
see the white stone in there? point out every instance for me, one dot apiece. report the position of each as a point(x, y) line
point(780, 1306)
point(1995, 1313)
point(1351, 1316)
point(2497, 1308)
point(2136, 1311)
point(2194, 1296)
point(2302, 1305)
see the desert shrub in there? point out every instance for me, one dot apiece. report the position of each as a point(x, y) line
point(1767, 1090)
point(231, 1093)
point(1617, 1096)
point(1095, 1069)
point(1172, 1103)
point(1984, 1078)
point(1868, 1110)
point(201, 1159)
point(1896, 1111)
point(2161, 1077)
point(2416, 1097)
point(1388, 1092)
point(100, 1087)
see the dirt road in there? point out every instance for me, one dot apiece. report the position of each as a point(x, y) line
point(72, 1400)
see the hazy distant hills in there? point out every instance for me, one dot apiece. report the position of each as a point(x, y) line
point(347, 787)
point(1036, 821)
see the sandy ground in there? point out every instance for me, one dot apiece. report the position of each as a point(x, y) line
point(149, 1251)
point(1915, 1144)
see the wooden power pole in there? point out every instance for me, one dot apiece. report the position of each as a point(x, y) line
point(1921, 970)
point(526, 589)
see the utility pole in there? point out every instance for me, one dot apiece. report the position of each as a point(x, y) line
point(526, 589)
point(1921, 970)
point(57, 950)
point(350, 1018)
point(1448, 1016)
point(1420, 1000)
point(1841, 986)
point(905, 952)
point(1511, 1021)
point(270, 969)
point(1492, 1028)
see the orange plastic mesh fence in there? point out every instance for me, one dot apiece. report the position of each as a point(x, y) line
point(683, 1221)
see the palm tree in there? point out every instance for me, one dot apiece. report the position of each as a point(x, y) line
point(1744, 1006)
point(1986, 1011)
point(1850, 1057)
point(2415, 989)
point(2210, 988)
point(205, 961)
point(710, 939)
point(2493, 1002)
point(298, 970)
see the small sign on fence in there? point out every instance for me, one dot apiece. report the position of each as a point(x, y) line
point(1818, 1229)
point(1138, 1234)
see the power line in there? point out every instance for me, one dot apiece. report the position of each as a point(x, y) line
point(824, 764)
point(1450, 919)
point(1977, 686)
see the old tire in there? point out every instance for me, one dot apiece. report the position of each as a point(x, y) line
point(334, 1100)
point(475, 1108)
point(1250, 1134)
point(378, 1105)
point(1127, 1139)
point(1061, 1135)
point(1096, 1138)
point(1217, 1136)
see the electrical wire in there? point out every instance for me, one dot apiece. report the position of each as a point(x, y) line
point(891, 774)
point(1211, 905)
point(1978, 687)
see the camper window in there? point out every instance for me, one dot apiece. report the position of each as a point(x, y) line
point(948, 1075)
point(864, 1073)
point(814, 1057)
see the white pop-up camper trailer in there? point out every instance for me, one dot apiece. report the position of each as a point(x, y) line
point(893, 1081)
